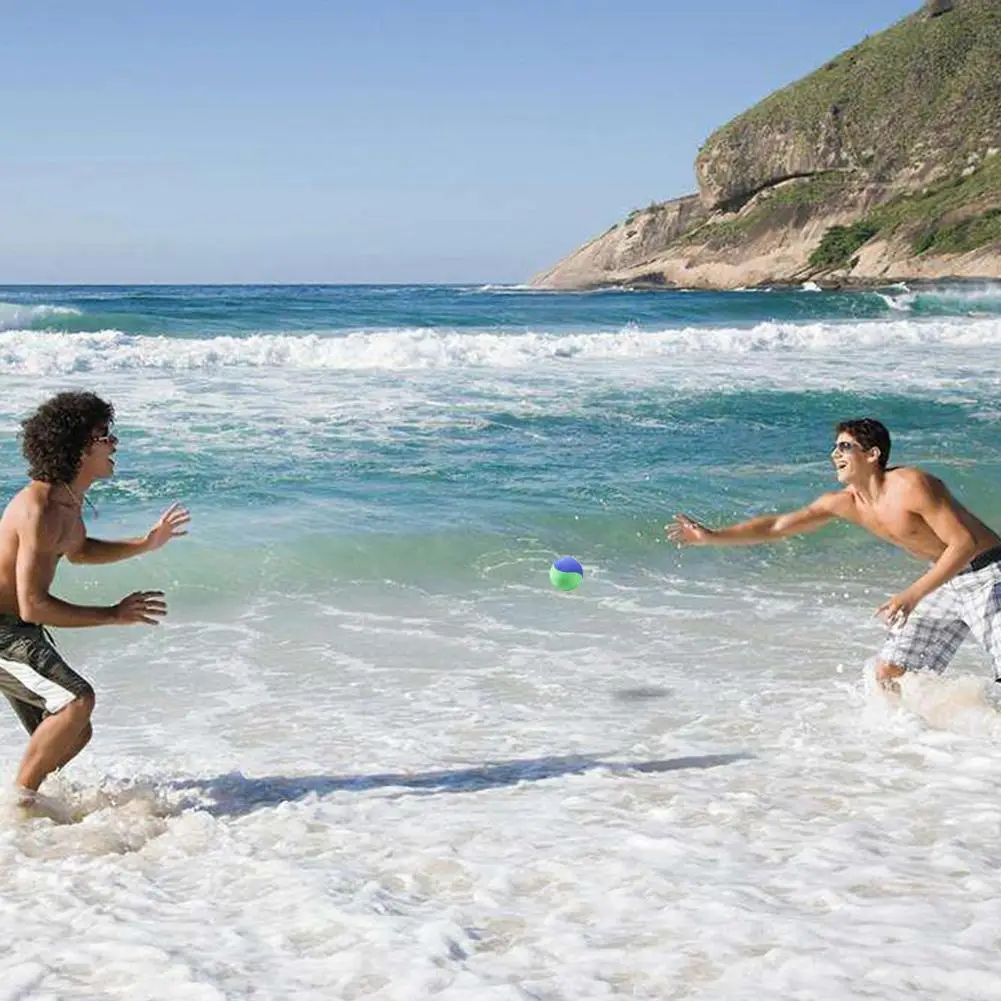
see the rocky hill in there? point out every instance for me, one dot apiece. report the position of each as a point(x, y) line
point(883, 165)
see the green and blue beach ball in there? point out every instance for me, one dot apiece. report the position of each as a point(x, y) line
point(566, 573)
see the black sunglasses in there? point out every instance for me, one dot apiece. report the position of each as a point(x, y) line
point(846, 446)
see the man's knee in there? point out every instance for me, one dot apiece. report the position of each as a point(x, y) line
point(886, 674)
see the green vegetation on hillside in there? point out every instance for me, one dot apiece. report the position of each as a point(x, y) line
point(925, 87)
point(800, 195)
point(960, 237)
point(840, 243)
point(954, 217)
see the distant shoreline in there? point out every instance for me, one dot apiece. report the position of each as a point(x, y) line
point(821, 284)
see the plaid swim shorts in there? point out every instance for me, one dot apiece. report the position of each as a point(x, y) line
point(968, 604)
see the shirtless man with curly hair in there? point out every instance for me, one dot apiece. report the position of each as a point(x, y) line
point(69, 444)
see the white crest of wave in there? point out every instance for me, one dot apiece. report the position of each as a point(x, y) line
point(903, 299)
point(973, 294)
point(505, 289)
point(52, 352)
point(14, 316)
point(899, 303)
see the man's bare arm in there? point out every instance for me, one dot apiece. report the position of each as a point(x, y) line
point(764, 528)
point(36, 555)
point(929, 498)
point(170, 526)
point(102, 551)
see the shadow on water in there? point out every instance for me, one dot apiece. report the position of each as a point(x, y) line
point(640, 693)
point(234, 794)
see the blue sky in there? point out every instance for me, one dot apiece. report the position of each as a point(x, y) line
point(384, 141)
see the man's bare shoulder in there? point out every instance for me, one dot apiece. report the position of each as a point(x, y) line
point(913, 481)
point(837, 503)
point(32, 505)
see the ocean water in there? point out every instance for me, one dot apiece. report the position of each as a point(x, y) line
point(371, 753)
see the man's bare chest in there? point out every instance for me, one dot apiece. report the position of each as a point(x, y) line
point(890, 520)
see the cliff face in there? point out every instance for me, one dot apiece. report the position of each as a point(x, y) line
point(748, 157)
point(882, 165)
point(642, 237)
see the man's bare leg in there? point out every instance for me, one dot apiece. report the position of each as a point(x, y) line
point(82, 741)
point(886, 677)
point(58, 739)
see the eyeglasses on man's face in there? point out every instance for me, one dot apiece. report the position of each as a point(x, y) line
point(844, 447)
point(107, 438)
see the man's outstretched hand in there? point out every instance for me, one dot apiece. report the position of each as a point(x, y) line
point(141, 606)
point(170, 526)
point(686, 532)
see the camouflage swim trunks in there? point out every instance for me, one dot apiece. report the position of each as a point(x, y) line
point(33, 676)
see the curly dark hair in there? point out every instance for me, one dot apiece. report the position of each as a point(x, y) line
point(55, 436)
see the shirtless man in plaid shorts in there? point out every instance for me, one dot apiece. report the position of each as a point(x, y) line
point(69, 444)
point(958, 595)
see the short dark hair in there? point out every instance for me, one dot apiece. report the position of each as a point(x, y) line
point(55, 436)
point(869, 433)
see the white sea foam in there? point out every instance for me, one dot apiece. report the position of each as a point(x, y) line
point(968, 293)
point(35, 352)
point(902, 303)
point(974, 297)
point(504, 289)
point(512, 794)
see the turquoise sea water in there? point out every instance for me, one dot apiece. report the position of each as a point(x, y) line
point(361, 625)
point(361, 425)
